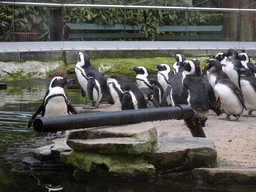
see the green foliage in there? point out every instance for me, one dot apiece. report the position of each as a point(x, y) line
point(26, 19)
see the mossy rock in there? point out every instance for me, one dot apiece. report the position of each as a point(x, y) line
point(112, 165)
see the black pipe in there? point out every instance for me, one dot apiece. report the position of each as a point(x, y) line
point(61, 123)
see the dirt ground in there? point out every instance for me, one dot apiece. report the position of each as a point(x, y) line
point(235, 141)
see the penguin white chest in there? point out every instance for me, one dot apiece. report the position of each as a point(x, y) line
point(249, 95)
point(56, 106)
point(81, 77)
point(229, 101)
point(232, 74)
point(162, 79)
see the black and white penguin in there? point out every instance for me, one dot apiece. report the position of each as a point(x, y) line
point(231, 54)
point(246, 62)
point(230, 71)
point(248, 87)
point(200, 97)
point(164, 74)
point(231, 97)
point(125, 94)
point(145, 80)
point(55, 102)
point(92, 81)
point(214, 71)
point(175, 93)
point(150, 97)
point(179, 59)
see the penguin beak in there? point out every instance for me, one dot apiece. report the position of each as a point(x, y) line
point(156, 66)
point(133, 68)
point(207, 61)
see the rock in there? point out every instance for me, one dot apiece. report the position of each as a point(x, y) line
point(127, 139)
point(225, 176)
point(179, 153)
point(110, 165)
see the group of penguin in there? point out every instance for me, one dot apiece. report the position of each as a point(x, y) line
point(230, 87)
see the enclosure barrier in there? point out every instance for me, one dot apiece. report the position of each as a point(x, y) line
point(79, 121)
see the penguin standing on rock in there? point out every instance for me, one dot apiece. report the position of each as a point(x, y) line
point(92, 81)
point(164, 74)
point(55, 102)
point(145, 80)
point(125, 94)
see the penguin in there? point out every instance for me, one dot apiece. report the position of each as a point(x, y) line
point(145, 80)
point(248, 87)
point(214, 71)
point(125, 94)
point(231, 54)
point(55, 102)
point(164, 74)
point(230, 71)
point(179, 59)
point(200, 96)
point(175, 93)
point(92, 81)
point(231, 97)
point(246, 62)
point(150, 97)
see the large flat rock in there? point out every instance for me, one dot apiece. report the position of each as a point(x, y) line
point(127, 139)
point(184, 153)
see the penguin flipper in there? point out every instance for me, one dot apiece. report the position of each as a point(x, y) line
point(91, 84)
point(240, 96)
point(37, 112)
point(164, 97)
point(71, 108)
point(126, 101)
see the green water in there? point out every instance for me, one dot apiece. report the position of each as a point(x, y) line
point(18, 102)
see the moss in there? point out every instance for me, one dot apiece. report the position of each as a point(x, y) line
point(86, 161)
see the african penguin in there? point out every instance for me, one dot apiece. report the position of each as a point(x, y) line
point(199, 95)
point(92, 81)
point(179, 59)
point(231, 54)
point(248, 87)
point(164, 74)
point(150, 97)
point(246, 62)
point(55, 102)
point(230, 71)
point(125, 94)
point(230, 96)
point(145, 80)
point(175, 93)
point(214, 71)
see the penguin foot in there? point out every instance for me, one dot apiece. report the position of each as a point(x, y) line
point(250, 114)
point(94, 105)
point(227, 118)
point(237, 118)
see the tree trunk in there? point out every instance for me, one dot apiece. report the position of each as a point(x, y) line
point(230, 22)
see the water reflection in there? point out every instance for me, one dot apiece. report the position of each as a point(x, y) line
point(18, 102)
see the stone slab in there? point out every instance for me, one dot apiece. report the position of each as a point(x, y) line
point(183, 152)
point(130, 139)
point(111, 145)
point(226, 176)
